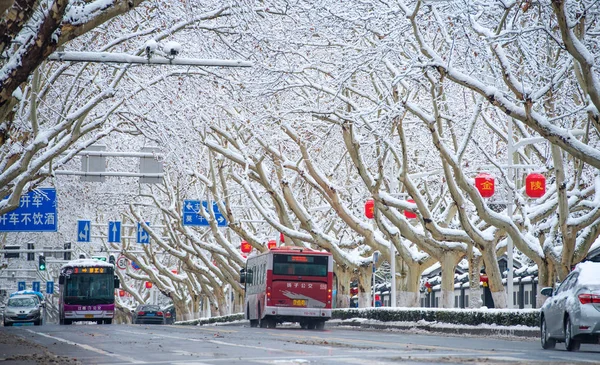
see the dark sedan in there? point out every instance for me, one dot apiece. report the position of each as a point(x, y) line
point(148, 314)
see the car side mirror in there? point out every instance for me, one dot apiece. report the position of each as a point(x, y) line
point(546, 291)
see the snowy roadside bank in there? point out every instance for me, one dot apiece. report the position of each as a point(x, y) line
point(435, 327)
point(477, 322)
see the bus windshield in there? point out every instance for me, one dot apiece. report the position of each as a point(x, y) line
point(300, 265)
point(85, 288)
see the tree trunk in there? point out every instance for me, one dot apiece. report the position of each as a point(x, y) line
point(364, 286)
point(474, 280)
point(492, 270)
point(343, 276)
point(408, 286)
point(449, 262)
point(545, 279)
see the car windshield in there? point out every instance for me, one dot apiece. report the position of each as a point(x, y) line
point(21, 302)
point(150, 308)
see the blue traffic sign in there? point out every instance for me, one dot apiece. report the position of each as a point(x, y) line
point(49, 287)
point(142, 235)
point(84, 230)
point(35, 286)
point(21, 285)
point(114, 231)
point(192, 216)
point(36, 213)
point(134, 265)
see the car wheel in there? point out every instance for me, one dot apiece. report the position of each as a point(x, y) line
point(37, 323)
point(7, 324)
point(571, 344)
point(547, 343)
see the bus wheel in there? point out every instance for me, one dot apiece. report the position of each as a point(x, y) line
point(303, 325)
point(311, 325)
point(99, 321)
point(320, 325)
point(67, 321)
point(263, 322)
point(108, 321)
point(254, 323)
point(272, 323)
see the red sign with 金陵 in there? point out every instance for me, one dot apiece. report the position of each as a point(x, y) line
point(535, 185)
point(485, 184)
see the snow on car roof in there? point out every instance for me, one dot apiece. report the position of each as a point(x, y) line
point(87, 263)
point(589, 272)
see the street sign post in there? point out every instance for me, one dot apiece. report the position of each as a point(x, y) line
point(143, 236)
point(49, 287)
point(114, 232)
point(21, 285)
point(122, 262)
point(36, 213)
point(35, 286)
point(192, 217)
point(84, 231)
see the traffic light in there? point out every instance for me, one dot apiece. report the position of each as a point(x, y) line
point(67, 254)
point(111, 259)
point(42, 263)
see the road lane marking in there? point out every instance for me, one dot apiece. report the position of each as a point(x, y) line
point(210, 329)
point(90, 348)
point(205, 340)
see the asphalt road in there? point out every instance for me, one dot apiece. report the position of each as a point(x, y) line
point(157, 344)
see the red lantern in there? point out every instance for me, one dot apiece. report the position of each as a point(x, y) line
point(535, 185)
point(246, 247)
point(281, 237)
point(272, 244)
point(369, 208)
point(121, 293)
point(407, 213)
point(484, 182)
point(174, 271)
point(148, 285)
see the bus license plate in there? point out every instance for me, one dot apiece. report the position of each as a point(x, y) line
point(89, 316)
point(299, 302)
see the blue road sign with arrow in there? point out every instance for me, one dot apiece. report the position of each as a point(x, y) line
point(49, 287)
point(114, 231)
point(35, 286)
point(36, 213)
point(84, 229)
point(21, 285)
point(142, 235)
point(192, 216)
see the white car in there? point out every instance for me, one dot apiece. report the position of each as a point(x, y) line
point(572, 313)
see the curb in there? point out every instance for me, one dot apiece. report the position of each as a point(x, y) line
point(443, 328)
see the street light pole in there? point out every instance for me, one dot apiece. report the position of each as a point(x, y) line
point(509, 210)
point(393, 270)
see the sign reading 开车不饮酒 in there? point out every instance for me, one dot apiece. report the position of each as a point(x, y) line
point(36, 213)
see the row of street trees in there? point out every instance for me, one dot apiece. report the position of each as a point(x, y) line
point(349, 102)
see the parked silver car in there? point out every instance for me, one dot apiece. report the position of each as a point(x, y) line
point(572, 313)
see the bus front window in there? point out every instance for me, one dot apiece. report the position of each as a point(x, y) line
point(82, 288)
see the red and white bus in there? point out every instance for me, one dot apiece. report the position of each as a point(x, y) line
point(288, 284)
